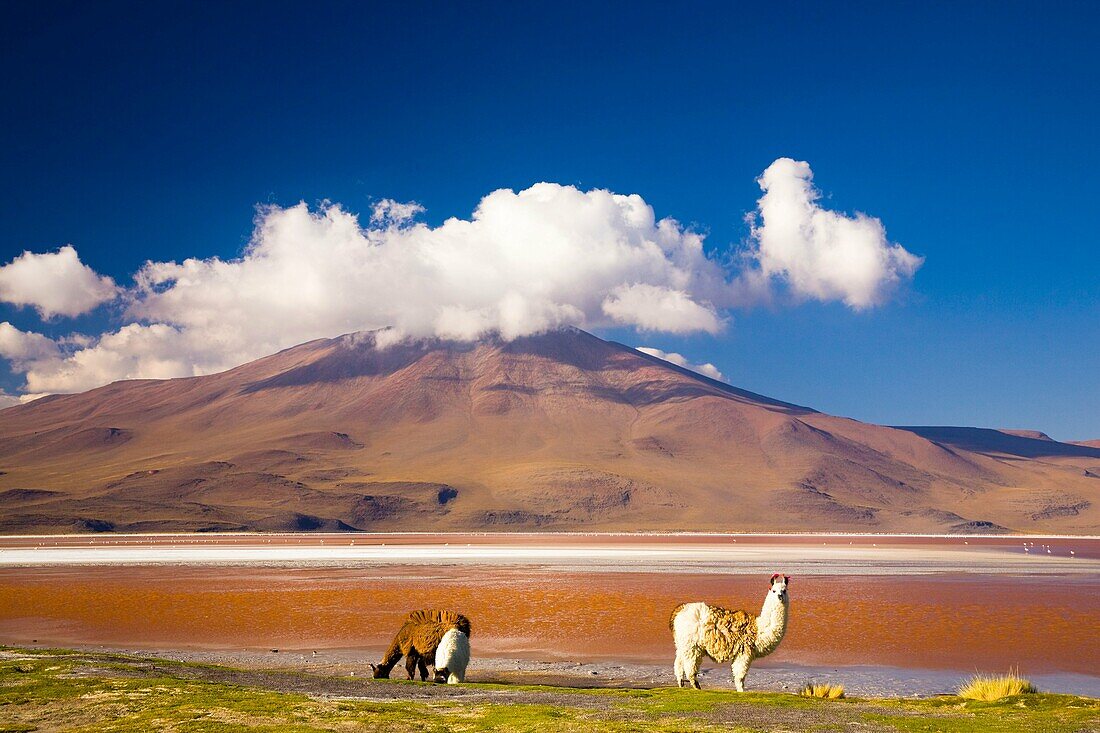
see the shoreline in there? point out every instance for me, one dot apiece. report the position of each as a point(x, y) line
point(766, 675)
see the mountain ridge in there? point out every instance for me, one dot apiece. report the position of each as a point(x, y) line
point(558, 431)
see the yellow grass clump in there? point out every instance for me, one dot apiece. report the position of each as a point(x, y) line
point(994, 687)
point(822, 689)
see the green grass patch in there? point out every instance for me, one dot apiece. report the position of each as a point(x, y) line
point(86, 692)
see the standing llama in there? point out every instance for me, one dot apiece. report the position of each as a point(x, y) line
point(452, 656)
point(734, 637)
point(417, 641)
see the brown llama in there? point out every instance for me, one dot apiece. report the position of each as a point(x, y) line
point(417, 640)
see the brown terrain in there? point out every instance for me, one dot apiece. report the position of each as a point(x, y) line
point(562, 431)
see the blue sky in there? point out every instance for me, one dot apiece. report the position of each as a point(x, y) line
point(143, 132)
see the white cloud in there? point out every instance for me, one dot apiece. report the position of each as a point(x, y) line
point(542, 258)
point(394, 213)
point(10, 400)
point(524, 262)
point(820, 254)
point(656, 308)
point(135, 351)
point(54, 283)
point(22, 347)
point(707, 369)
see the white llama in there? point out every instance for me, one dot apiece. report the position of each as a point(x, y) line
point(734, 637)
point(452, 656)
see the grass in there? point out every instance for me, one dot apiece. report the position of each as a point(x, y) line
point(990, 688)
point(85, 692)
point(824, 690)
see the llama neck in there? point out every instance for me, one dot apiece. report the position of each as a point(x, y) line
point(391, 657)
point(771, 624)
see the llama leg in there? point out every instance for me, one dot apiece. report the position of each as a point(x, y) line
point(678, 667)
point(423, 666)
point(694, 658)
point(411, 661)
point(740, 669)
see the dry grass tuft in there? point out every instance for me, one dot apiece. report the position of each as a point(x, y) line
point(823, 690)
point(994, 687)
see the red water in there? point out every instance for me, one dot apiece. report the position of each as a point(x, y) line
point(989, 623)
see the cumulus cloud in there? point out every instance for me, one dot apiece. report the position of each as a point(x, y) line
point(655, 308)
point(819, 254)
point(707, 369)
point(135, 351)
point(54, 283)
point(10, 400)
point(542, 258)
point(22, 348)
point(524, 262)
point(394, 213)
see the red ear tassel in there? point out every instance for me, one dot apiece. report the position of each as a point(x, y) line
point(776, 575)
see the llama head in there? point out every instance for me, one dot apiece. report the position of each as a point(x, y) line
point(441, 675)
point(779, 583)
point(379, 672)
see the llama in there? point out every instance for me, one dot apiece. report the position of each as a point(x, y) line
point(452, 656)
point(734, 637)
point(417, 640)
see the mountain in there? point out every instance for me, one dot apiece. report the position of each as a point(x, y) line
point(1036, 434)
point(561, 431)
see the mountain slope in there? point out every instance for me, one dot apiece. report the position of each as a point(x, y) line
point(559, 431)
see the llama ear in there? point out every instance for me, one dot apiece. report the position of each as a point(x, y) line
point(787, 579)
point(775, 576)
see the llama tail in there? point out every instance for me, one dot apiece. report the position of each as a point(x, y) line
point(672, 618)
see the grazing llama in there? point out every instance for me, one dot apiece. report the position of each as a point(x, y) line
point(417, 640)
point(734, 637)
point(452, 656)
